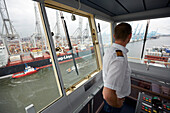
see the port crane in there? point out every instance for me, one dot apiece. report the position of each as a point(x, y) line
point(37, 36)
point(57, 34)
point(85, 32)
point(78, 32)
point(139, 37)
point(8, 32)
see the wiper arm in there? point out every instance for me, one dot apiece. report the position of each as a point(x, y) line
point(146, 32)
point(69, 42)
point(100, 39)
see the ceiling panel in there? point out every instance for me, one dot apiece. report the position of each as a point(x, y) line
point(137, 5)
point(110, 5)
point(98, 7)
point(155, 4)
point(120, 7)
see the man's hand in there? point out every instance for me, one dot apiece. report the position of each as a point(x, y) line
point(111, 98)
point(120, 101)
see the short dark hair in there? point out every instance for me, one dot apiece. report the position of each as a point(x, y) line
point(122, 31)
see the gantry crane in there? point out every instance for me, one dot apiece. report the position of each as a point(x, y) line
point(8, 31)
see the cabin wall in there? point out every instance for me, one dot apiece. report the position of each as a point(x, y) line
point(81, 97)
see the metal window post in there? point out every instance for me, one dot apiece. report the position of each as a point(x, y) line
point(44, 15)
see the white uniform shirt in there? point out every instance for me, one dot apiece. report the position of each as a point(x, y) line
point(116, 71)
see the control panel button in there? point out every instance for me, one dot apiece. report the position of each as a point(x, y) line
point(154, 111)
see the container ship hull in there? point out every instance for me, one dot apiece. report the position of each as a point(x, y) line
point(42, 62)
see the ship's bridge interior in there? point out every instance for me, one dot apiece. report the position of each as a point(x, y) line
point(65, 41)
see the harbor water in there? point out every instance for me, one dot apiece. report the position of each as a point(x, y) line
point(40, 88)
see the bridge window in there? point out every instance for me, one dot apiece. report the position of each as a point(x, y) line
point(77, 59)
point(104, 33)
point(157, 48)
point(26, 71)
point(138, 32)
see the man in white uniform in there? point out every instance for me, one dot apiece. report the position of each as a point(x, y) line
point(116, 71)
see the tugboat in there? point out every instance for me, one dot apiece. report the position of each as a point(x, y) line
point(28, 71)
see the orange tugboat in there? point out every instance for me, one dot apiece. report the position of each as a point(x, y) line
point(28, 71)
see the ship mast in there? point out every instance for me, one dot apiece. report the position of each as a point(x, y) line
point(8, 30)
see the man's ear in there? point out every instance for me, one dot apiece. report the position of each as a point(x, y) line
point(130, 36)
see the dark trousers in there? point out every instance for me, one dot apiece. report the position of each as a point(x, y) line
point(109, 109)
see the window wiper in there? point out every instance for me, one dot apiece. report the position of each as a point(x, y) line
point(146, 32)
point(68, 40)
point(100, 40)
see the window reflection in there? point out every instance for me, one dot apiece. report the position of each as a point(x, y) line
point(81, 42)
point(26, 75)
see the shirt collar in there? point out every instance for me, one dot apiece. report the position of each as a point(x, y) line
point(122, 48)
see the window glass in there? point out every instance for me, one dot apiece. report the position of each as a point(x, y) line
point(138, 32)
point(105, 33)
point(157, 46)
point(157, 49)
point(82, 47)
point(26, 72)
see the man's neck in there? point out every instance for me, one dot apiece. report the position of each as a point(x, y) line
point(120, 43)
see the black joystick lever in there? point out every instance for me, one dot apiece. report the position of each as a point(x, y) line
point(157, 104)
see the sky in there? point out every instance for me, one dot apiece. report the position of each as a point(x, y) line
point(72, 26)
point(22, 16)
point(160, 25)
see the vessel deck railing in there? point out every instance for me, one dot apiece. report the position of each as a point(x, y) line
point(150, 61)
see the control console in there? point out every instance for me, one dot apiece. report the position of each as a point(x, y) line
point(149, 104)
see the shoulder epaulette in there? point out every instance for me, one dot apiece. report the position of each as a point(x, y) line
point(119, 53)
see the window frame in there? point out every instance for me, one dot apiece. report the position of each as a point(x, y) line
point(62, 7)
